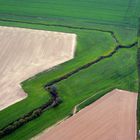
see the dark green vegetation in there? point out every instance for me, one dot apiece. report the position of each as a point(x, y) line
point(80, 17)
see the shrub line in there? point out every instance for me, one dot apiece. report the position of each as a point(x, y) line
point(53, 102)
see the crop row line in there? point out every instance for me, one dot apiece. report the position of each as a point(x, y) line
point(53, 102)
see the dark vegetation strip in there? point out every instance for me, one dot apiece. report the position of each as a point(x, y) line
point(92, 99)
point(64, 26)
point(66, 76)
point(53, 102)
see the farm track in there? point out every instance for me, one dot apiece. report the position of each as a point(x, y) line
point(124, 24)
point(66, 76)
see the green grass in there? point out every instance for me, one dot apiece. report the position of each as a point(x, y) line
point(90, 46)
point(92, 99)
point(73, 12)
point(118, 71)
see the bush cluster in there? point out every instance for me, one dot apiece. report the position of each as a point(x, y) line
point(28, 117)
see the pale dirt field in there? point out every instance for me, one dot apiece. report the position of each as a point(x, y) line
point(26, 52)
point(112, 117)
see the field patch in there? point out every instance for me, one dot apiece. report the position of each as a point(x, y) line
point(86, 13)
point(26, 52)
point(106, 119)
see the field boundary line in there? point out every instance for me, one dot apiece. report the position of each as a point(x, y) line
point(75, 110)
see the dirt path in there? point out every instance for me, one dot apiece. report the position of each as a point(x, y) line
point(26, 52)
point(113, 117)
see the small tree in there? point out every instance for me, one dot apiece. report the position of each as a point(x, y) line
point(53, 91)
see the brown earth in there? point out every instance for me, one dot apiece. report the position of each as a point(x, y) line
point(26, 52)
point(112, 117)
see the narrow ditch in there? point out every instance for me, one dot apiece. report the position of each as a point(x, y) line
point(53, 102)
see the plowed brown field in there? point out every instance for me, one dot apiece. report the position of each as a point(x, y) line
point(113, 117)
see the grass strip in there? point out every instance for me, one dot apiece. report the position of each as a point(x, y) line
point(53, 102)
point(92, 99)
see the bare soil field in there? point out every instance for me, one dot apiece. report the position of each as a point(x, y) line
point(26, 52)
point(112, 117)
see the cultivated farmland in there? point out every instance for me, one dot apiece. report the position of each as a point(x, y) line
point(29, 52)
point(105, 57)
point(106, 119)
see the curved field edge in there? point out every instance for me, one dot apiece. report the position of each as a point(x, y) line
point(70, 100)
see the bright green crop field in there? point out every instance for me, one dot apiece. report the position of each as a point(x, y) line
point(93, 21)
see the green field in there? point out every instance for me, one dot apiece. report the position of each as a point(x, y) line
point(114, 12)
point(92, 21)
